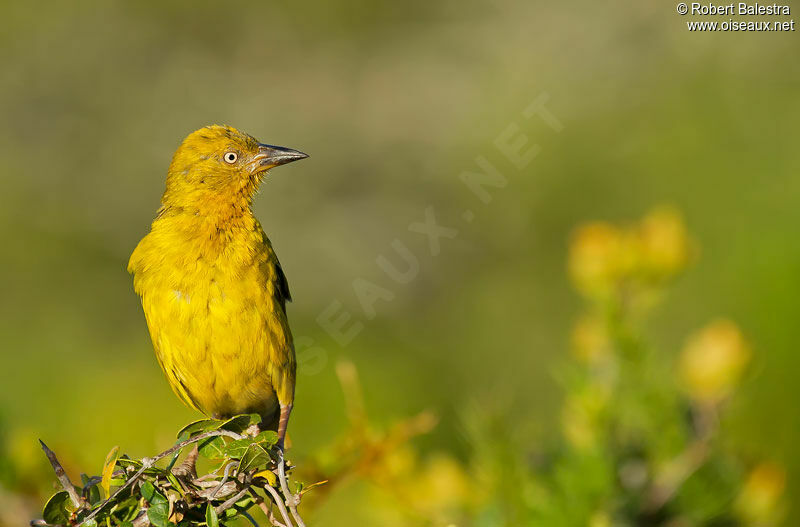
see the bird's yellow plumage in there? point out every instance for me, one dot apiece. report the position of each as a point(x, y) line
point(212, 289)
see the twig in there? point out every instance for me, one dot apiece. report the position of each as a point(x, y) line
point(667, 483)
point(225, 492)
point(142, 519)
point(267, 510)
point(62, 476)
point(273, 520)
point(224, 480)
point(229, 503)
point(291, 499)
point(279, 502)
point(148, 462)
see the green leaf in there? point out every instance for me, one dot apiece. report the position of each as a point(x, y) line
point(302, 490)
point(151, 494)
point(108, 470)
point(93, 494)
point(198, 427)
point(212, 448)
point(236, 449)
point(174, 459)
point(126, 462)
point(254, 457)
point(159, 514)
point(245, 502)
point(211, 516)
point(175, 483)
point(237, 424)
point(90, 489)
point(128, 509)
point(240, 423)
point(268, 438)
point(56, 509)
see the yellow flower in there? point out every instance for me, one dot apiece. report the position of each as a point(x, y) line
point(759, 497)
point(606, 260)
point(664, 242)
point(600, 519)
point(400, 462)
point(437, 487)
point(713, 361)
point(594, 258)
point(444, 483)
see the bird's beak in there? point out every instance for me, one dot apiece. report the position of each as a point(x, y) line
point(269, 156)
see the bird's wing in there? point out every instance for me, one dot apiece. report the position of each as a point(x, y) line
point(282, 282)
point(275, 271)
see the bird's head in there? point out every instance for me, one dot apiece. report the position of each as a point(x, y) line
point(219, 164)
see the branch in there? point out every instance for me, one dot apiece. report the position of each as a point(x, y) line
point(676, 473)
point(230, 502)
point(224, 480)
point(292, 500)
point(149, 462)
point(279, 502)
point(62, 476)
point(267, 510)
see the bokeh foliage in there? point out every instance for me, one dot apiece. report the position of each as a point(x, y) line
point(637, 445)
point(393, 102)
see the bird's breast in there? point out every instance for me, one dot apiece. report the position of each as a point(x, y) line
point(216, 316)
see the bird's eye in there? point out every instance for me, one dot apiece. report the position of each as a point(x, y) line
point(230, 157)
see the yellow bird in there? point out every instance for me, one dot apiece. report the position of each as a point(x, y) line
point(212, 289)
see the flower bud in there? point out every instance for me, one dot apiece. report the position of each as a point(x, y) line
point(713, 361)
point(594, 258)
point(758, 500)
point(664, 242)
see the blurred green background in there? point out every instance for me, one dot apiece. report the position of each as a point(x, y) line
point(393, 101)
